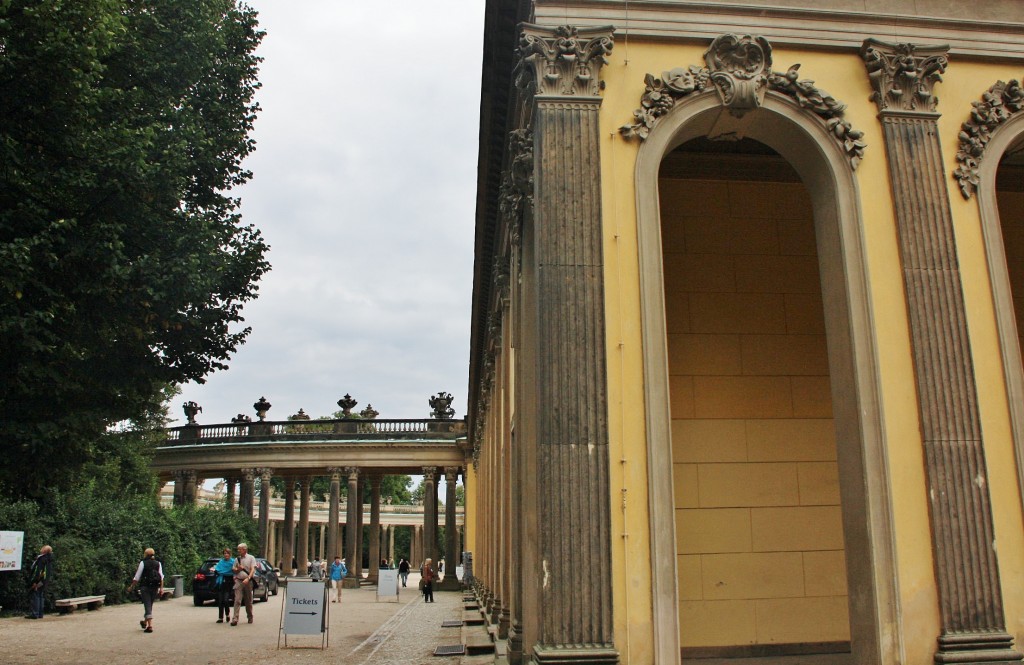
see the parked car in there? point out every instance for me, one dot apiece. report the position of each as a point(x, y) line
point(202, 583)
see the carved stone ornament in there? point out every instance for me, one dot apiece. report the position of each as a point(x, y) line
point(999, 104)
point(903, 75)
point(739, 68)
point(662, 94)
point(441, 406)
point(517, 182)
point(564, 61)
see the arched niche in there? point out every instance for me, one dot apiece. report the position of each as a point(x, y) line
point(1007, 138)
point(804, 141)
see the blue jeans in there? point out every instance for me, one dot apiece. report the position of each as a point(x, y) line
point(405, 576)
point(36, 601)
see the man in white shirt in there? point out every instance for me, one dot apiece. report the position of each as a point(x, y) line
point(244, 568)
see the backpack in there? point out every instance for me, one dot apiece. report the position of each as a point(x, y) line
point(150, 574)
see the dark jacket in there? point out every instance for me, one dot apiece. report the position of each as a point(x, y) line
point(403, 567)
point(42, 570)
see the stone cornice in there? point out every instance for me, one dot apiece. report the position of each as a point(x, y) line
point(903, 75)
point(993, 36)
point(1000, 103)
point(564, 61)
point(662, 94)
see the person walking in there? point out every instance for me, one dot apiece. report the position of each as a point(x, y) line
point(224, 570)
point(149, 577)
point(338, 572)
point(316, 569)
point(403, 571)
point(244, 568)
point(428, 580)
point(40, 576)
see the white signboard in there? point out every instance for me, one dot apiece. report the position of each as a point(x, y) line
point(11, 543)
point(387, 583)
point(460, 572)
point(304, 608)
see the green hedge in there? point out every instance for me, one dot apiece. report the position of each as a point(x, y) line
point(98, 541)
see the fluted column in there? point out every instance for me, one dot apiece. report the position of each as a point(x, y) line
point(561, 68)
point(288, 527)
point(429, 512)
point(332, 513)
point(264, 520)
point(375, 480)
point(416, 544)
point(302, 556)
point(248, 493)
point(973, 626)
point(359, 527)
point(229, 492)
point(451, 531)
point(391, 543)
point(178, 476)
point(353, 508)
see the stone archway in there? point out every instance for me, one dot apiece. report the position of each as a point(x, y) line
point(1004, 139)
point(826, 169)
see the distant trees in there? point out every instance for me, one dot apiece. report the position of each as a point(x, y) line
point(124, 263)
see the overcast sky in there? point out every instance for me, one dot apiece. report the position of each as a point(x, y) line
point(364, 185)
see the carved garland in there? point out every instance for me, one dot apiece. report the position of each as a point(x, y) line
point(739, 68)
point(1000, 103)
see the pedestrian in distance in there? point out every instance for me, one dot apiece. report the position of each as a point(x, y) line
point(428, 580)
point(149, 577)
point(338, 572)
point(225, 572)
point(40, 576)
point(244, 569)
point(403, 571)
point(316, 569)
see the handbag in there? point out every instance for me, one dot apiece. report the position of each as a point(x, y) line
point(423, 583)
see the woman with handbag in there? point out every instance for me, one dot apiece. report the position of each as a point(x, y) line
point(224, 570)
point(427, 580)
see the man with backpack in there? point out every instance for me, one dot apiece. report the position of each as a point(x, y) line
point(149, 577)
point(40, 576)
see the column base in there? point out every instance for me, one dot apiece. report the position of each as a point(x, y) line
point(503, 623)
point(575, 655)
point(971, 648)
point(515, 644)
point(449, 584)
point(350, 582)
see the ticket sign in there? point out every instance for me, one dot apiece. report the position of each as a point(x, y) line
point(304, 607)
point(11, 544)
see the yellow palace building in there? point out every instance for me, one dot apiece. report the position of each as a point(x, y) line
point(745, 378)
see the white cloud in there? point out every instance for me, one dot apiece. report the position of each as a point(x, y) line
point(364, 186)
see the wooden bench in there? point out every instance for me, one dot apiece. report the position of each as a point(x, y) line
point(68, 605)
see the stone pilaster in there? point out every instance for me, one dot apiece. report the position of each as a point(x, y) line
point(353, 507)
point(429, 512)
point(333, 514)
point(302, 555)
point(560, 70)
point(973, 627)
point(373, 574)
point(288, 527)
point(248, 493)
point(266, 474)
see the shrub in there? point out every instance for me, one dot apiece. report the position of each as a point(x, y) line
point(98, 541)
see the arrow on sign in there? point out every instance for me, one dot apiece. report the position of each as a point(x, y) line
point(309, 613)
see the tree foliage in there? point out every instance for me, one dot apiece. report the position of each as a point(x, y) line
point(124, 263)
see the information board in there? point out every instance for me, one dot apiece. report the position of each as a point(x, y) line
point(11, 543)
point(387, 583)
point(305, 607)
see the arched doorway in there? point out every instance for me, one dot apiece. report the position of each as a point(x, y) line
point(1000, 197)
point(843, 437)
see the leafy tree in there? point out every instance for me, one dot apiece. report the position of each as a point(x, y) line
point(124, 263)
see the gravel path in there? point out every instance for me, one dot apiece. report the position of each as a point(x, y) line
point(362, 632)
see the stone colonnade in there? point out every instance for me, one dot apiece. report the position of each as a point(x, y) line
point(326, 540)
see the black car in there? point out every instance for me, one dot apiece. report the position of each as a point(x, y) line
point(203, 590)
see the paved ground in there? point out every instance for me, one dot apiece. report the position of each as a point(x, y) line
point(362, 632)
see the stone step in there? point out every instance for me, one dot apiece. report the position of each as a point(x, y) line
point(472, 618)
point(477, 639)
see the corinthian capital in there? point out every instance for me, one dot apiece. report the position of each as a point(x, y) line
point(563, 61)
point(903, 75)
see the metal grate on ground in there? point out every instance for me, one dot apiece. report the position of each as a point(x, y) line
point(453, 650)
point(451, 623)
